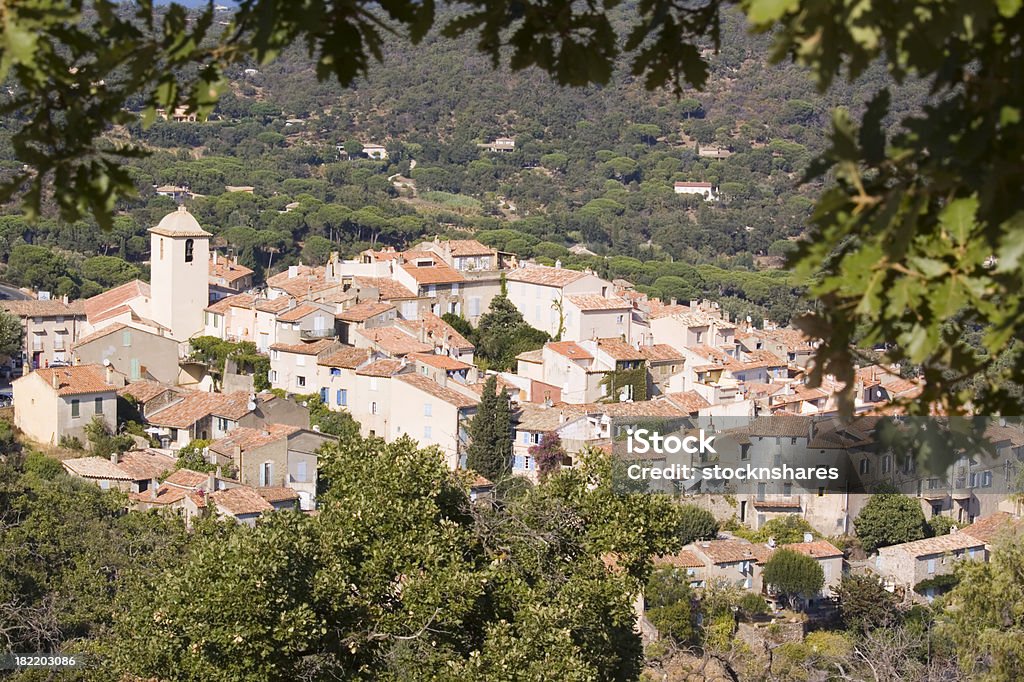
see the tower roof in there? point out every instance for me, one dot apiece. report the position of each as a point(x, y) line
point(179, 223)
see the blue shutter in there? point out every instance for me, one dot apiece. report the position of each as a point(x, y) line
point(323, 395)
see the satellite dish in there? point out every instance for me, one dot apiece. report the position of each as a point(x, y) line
point(106, 362)
point(251, 405)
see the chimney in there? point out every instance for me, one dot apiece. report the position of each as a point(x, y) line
point(153, 485)
point(693, 303)
point(293, 271)
point(109, 374)
point(64, 299)
point(558, 263)
point(56, 379)
point(214, 257)
point(115, 458)
point(211, 482)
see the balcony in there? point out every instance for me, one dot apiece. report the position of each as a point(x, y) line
point(314, 334)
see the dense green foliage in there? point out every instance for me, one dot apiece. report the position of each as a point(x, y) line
point(467, 592)
point(490, 431)
point(792, 574)
point(785, 529)
point(865, 604)
point(669, 603)
point(246, 359)
point(502, 334)
point(696, 524)
point(10, 336)
point(889, 519)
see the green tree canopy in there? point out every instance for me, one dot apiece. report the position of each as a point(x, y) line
point(490, 432)
point(696, 524)
point(793, 574)
point(889, 519)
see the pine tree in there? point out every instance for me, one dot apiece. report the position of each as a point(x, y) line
point(489, 452)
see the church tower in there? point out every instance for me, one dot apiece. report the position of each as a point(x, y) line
point(179, 281)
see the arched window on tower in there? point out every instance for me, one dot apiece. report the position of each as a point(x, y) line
point(188, 250)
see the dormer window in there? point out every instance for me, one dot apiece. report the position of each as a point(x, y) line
point(189, 244)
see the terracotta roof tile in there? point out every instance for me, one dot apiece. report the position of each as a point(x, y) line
point(144, 391)
point(240, 501)
point(298, 312)
point(96, 467)
point(681, 559)
point(228, 270)
point(440, 361)
point(75, 380)
point(434, 389)
point(187, 478)
point(364, 311)
point(237, 301)
point(145, 464)
point(619, 349)
point(545, 276)
point(661, 352)
point(988, 528)
point(36, 308)
point(438, 273)
point(939, 544)
point(115, 298)
point(587, 302)
point(381, 368)
point(347, 358)
point(393, 341)
point(249, 438)
point(569, 349)
point(467, 247)
point(196, 405)
point(688, 401)
point(389, 289)
point(818, 549)
point(305, 348)
point(732, 551)
point(277, 494)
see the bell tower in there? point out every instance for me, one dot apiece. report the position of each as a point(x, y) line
point(180, 270)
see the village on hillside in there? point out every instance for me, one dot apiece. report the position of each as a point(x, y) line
point(374, 338)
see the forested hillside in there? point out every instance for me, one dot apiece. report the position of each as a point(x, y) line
point(592, 166)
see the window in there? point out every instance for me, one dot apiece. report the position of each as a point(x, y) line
point(986, 479)
point(323, 395)
point(787, 489)
point(300, 382)
point(300, 360)
point(266, 474)
point(136, 369)
point(432, 290)
point(75, 409)
point(455, 288)
point(373, 408)
point(821, 491)
point(745, 452)
point(189, 245)
point(865, 466)
point(275, 355)
point(524, 437)
point(619, 319)
point(335, 372)
point(931, 565)
point(300, 471)
point(427, 433)
point(342, 397)
point(126, 338)
point(428, 409)
point(886, 464)
point(762, 489)
point(222, 424)
point(373, 383)
point(273, 376)
point(98, 403)
point(700, 337)
point(474, 306)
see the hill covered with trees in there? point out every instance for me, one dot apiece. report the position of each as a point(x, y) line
point(592, 167)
